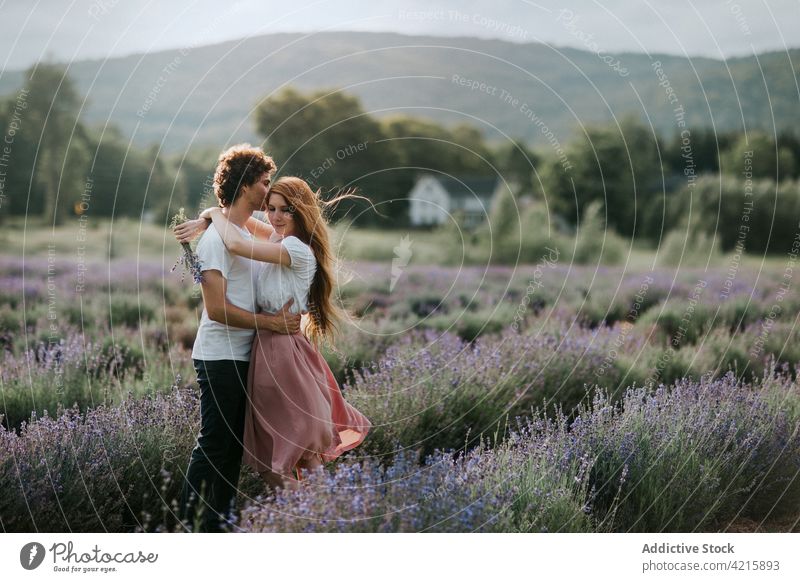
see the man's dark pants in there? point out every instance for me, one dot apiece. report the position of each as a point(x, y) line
point(213, 474)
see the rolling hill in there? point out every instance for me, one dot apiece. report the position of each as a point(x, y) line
point(205, 95)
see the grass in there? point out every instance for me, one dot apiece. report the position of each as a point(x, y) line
point(94, 238)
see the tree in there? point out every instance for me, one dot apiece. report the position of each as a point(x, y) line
point(516, 164)
point(618, 166)
point(4, 198)
point(427, 145)
point(197, 171)
point(705, 145)
point(327, 138)
point(165, 190)
point(759, 154)
point(324, 133)
point(21, 193)
point(52, 121)
point(788, 141)
point(330, 140)
point(474, 156)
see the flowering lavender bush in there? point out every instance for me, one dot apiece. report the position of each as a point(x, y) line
point(103, 471)
point(686, 458)
point(86, 374)
point(87, 337)
point(442, 495)
point(442, 361)
point(432, 391)
point(188, 258)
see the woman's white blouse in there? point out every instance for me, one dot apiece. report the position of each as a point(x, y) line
point(276, 283)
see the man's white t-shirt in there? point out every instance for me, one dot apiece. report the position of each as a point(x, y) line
point(217, 341)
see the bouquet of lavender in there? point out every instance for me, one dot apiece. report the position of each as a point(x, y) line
point(188, 258)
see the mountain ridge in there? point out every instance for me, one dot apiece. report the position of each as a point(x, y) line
point(204, 95)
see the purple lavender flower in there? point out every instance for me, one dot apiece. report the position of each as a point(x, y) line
point(189, 259)
point(190, 262)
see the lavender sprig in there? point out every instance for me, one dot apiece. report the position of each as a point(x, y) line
point(189, 259)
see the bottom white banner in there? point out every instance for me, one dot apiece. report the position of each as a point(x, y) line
point(455, 556)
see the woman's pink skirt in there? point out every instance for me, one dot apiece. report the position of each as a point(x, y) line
point(295, 409)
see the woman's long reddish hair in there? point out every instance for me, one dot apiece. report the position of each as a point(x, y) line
point(311, 227)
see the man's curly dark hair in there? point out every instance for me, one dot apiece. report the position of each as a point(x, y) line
point(240, 165)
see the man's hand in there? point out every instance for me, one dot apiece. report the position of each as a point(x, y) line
point(282, 321)
point(190, 229)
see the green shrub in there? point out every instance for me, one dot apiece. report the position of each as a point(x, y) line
point(131, 312)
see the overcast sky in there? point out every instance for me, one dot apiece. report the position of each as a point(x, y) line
point(74, 29)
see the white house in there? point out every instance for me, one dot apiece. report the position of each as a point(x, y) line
point(434, 198)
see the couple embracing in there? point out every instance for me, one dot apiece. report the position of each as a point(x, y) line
point(267, 396)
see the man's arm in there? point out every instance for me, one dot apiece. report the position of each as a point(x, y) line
point(219, 309)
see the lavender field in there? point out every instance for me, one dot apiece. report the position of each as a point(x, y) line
point(547, 397)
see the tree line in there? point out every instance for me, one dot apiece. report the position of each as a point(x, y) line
point(697, 179)
point(59, 167)
point(53, 165)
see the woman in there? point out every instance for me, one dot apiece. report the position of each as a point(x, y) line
point(296, 417)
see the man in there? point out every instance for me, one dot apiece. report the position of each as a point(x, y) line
point(221, 352)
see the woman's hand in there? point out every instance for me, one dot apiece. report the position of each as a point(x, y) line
point(190, 229)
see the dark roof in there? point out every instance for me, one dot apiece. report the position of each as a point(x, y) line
point(468, 187)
